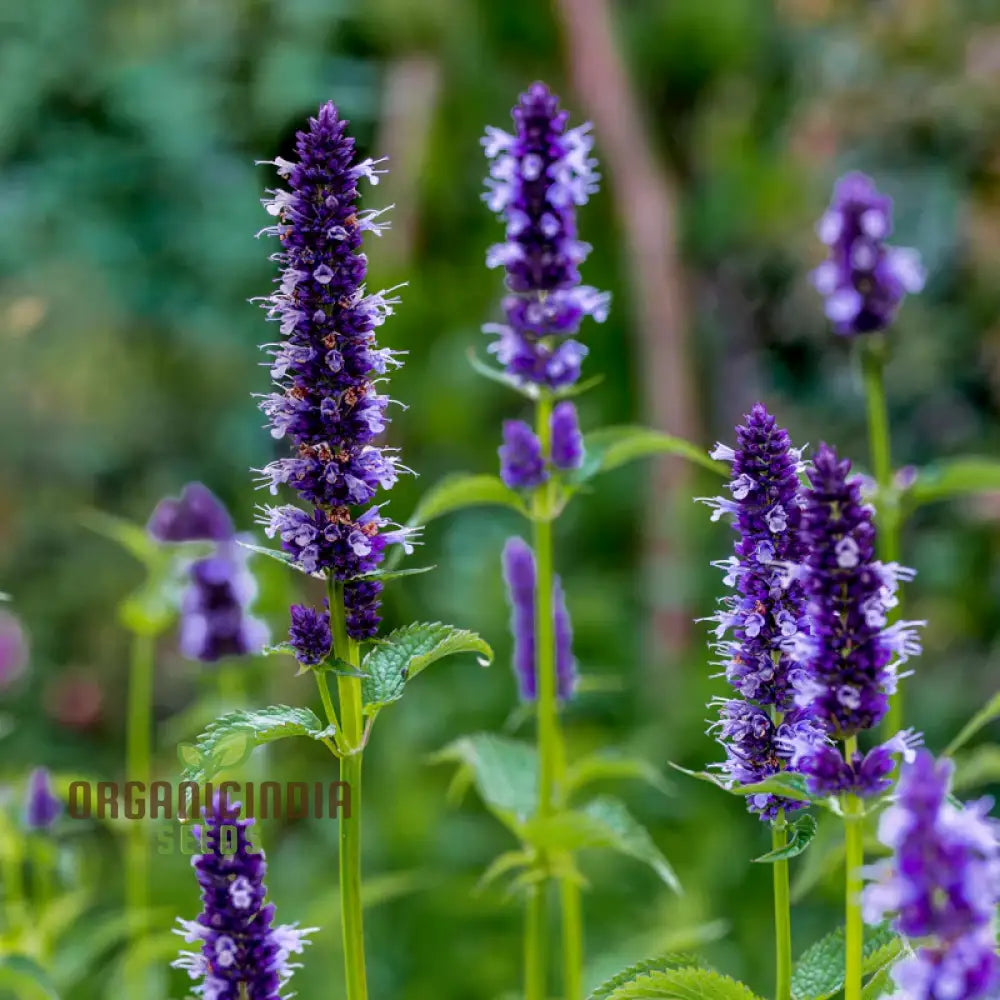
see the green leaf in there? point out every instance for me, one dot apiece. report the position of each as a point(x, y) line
point(605, 823)
point(505, 772)
point(231, 739)
point(801, 833)
point(661, 963)
point(611, 447)
point(403, 654)
point(25, 979)
point(819, 973)
point(989, 712)
point(608, 765)
point(495, 374)
point(393, 574)
point(133, 538)
point(978, 767)
point(954, 478)
point(279, 555)
point(460, 491)
point(789, 786)
point(689, 983)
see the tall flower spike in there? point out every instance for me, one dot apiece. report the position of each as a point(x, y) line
point(941, 886)
point(327, 369)
point(760, 627)
point(538, 177)
point(41, 807)
point(852, 655)
point(863, 280)
point(521, 579)
point(242, 956)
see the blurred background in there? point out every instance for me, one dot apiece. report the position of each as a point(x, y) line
point(130, 200)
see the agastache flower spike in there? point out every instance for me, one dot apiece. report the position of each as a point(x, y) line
point(326, 369)
point(941, 886)
point(567, 441)
point(538, 177)
point(310, 635)
point(852, 655)
point(242, 957)
point(197, 515)
point(760, 628)
point(521, 579)
point(863, 280)
point(41, 807)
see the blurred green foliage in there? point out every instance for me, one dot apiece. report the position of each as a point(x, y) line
point(129, 200)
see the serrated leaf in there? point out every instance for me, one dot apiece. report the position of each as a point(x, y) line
point(461, 491)
point(787, 785)
point(611, 447)
point(800, 835)
point(278, 555)
point(504, 771)
point(403, 654)
point(955, 477)
point(819, 973)
point(880, 984)
point(25, 979)
point(661, 963)
point(690, 983)
point(989, 712)
point(232, 738)
point(605, 823)
point(608, 765)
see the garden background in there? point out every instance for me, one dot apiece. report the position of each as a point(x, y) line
point(129, 200)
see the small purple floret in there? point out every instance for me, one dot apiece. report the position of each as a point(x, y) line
point(197, 515)
point(567, 441)
point(310, 634)
point(522, 466)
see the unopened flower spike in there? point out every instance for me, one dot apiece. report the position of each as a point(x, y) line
point(196, 515)
point(326, 368)
point(538, 177)
point(863, 279)
point(242, 955)
point(761, 626)
point(41, 806)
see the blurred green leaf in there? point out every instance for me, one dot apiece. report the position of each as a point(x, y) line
point(460, 491)
point(989, 712)
point(25, 978)
point(661, 963)
point(978, 767)
point(690, 983)
point(133, 538)
point(602, 823)
point(819, 973)
point(610, 765)
point(955, 477)
point(611, 447)
point(800, 835)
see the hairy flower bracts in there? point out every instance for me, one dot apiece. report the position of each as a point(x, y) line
point(941, 886)
point(242, 957)
point(327, 369)
point(522, 581)
point(852, 655)
point(863, 280)
point(759, 627)
point(538, 177)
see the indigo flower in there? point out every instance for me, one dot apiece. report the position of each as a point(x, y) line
point(567, 441)
point(215, 621)
point(327, 369)
point(522, 466)
point(521, 579)
point(242, 957)
point(863, 280)
point(941, 885)
point(538, 176)
point(310, 634)
point(196, 515)
point(13, 649)
point(852, 655)
point(765, 618)
point(41, 807)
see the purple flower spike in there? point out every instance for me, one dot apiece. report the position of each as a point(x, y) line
point(41, 807)
point(761, 626)
point(522, 466)
point(538, 177)
point(215, 622)
point(310, 634)
point(197, 515)
point(863, 280)
point(327, 369)
point(567, 441)
point(242, 957)
point(521, 579)
point(941, 886)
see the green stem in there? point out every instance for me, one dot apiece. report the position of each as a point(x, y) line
point(782, 913)
point(352, 722)
point(535, 944)
point(138, 767)
point(572, 929)
point(12, 858)
point(873, 360)
point(853, 924)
